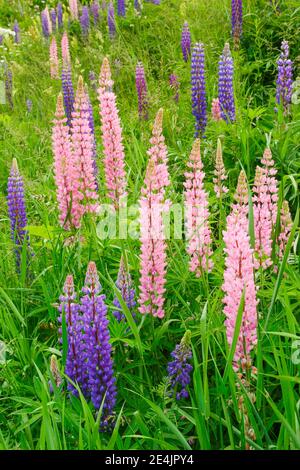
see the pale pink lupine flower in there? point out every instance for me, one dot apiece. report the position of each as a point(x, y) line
point(271, 182)
point(63, 168)
point(198, 232)
point(84, 183)
point(241, 204)
point(239, 278)
point(220, 173)
point(262, 221)
point(114, 157)
point(65, 51)
point(153, 245)
point(286, 225)
point(53, 59)
point(73, 5)
point(216, 109)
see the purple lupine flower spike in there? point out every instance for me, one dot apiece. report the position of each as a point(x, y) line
point(174, 84)
point(45, 24)
point(60, 21)
point(29, 105)
point(1, 39)
point(95, 11)
point(111, 20)
point(8, 87)
point(236, 21)
point(285, 78)
point(92, 129)
point(17, 32)
point(141, 87)
point(186, 42)
point(53, 19)
point(226, 96)
point(17, 211)
point(98, 349)
point(124, 284)
point(179, 369)
point(66, 79)
point(121, 8)
point(85, 21)
point(137, 5)
point(198, 89)
point(76, 368)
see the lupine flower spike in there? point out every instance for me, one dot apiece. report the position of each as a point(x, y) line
point(239, 281)
point(121, 8)
point(114, 158)
point(141, 88)
point(73, 5)
point(101, 381)
point(175, 85)
point(236, 21)
point(17, 211)
point(95, 11)
point(46, 25)
point(220, 173)
point(186, 42)
point(8, 87)
point(198, 89)
point(54, 369)
point(285, 78)
point(66, 78)
point(271, 183)
point(111, 20)
point(286, 225)
point(85, 21)
point(216, 109)
point(226, 97)
point(84, 183)
point(124, 284)
point(153, 245)
point(17, 32)
point(179, 369)
point(60, 20)
point(53, 59)
point(198, 233)
point(53, 19)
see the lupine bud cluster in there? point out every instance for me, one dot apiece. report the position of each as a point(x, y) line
point(17, 210)
point(186, 42)
point(142, 93)
point(198, 89)
point(198, 233)
point(286, 225)
point(220, 173)
point(54, 65)
point(179, 369)
point(285, 78)
point(226, 97)
point(124, 284)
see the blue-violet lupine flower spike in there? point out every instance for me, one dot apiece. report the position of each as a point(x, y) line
point(68, 91)
point(285, 78)
point(98, 349)
point(198, 89)
point(17, 211)
point(179, 369)
point(60, 20)
point(186, 42)
point(121, 8)
point(53, 19)
point(226, 96)
point(76, 367)
point(236, 21)
point(124, 284)
point(141, 88)
point(17, 32)
point(85, 21)
point(45, 24)
point(92, 129)
point(95, 11)
point(111, 20)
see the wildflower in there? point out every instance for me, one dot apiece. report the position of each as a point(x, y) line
point(141, 88)
point(286, 225)
point(53, 19)
point(121, 8)
point(66, 78)
point(95, 8)
point(8, 86)
point(285, 78)
point(46, 23)
point(73, 5)
point(220, 173)
point(85, 21)
point(124, 284)
point(53, 59)
point(226, 98)
point(60, 20)
point(17, 32)
point(111, 20)
point(198, 89)
point(216, 109)
point(29, 105)
point(179, 369)
point(236, 20)
point(186, 42)
point(175, 85)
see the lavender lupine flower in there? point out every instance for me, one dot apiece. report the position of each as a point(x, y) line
point(179, 369)
point(174, 84)
point(29, 105)
point(60, 21)
point(236, 21)
point(17, 210)
point(186, 42)
point(226, 97)
point(1, 39)
point(111, 20)
point(92, 129)
point(17, 32)
point(93, 80)
point(124, 284)
point(141, 88)
point(85, 21)
point(95, 11)
point(46, 27)
point(285, 78)
point(53, 19)
point(121, 8)
point(8, 87)
point(98, 349)
point(137, 5)
point(76, 368)
point(198, 89)
point(66, 78)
